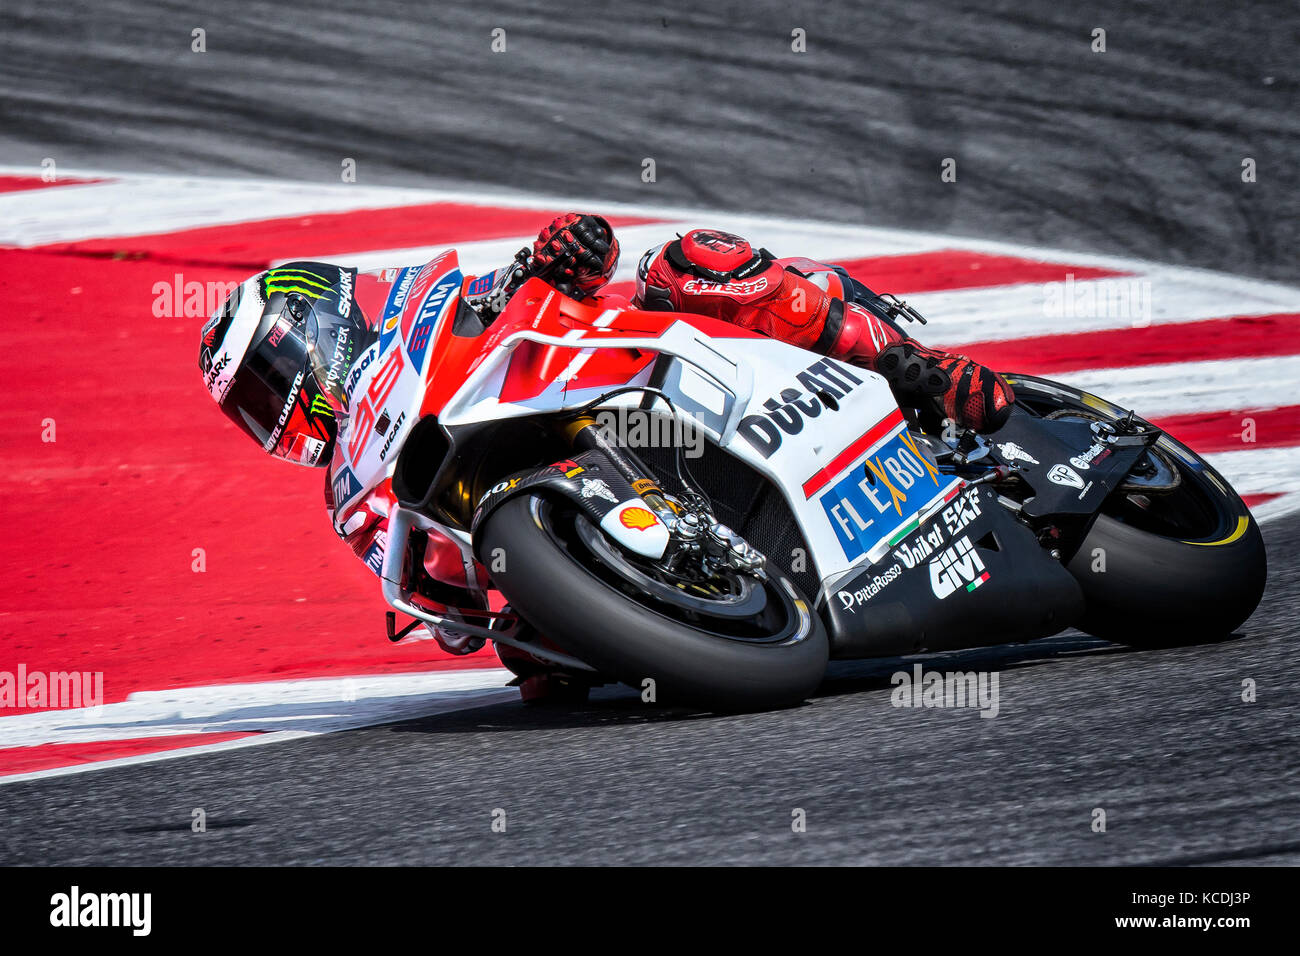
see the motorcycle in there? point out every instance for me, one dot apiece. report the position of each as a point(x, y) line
point(814, 519)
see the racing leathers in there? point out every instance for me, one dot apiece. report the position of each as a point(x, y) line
point(821, 308)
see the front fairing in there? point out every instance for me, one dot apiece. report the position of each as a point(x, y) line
point(385, 388)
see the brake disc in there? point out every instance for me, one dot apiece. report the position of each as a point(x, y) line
point(745, 599)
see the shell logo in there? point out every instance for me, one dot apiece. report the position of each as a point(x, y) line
point(638, 519)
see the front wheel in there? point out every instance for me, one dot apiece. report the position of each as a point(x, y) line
point(1175, 555)
point(739, 643)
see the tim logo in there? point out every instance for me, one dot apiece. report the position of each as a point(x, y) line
point(959, 566)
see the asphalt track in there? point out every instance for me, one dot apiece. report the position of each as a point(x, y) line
point(1134, 151)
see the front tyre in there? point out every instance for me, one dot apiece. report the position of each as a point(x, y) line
point(583, 599)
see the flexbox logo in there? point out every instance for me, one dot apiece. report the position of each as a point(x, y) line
point(74, 909)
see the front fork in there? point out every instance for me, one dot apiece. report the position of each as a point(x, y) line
point(698, 542)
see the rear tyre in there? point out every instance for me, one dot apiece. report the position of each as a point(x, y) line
point(1175, 562)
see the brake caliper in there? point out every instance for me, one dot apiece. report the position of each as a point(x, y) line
point(706, 545)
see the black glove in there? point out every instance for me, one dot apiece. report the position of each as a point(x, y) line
point(576, 253)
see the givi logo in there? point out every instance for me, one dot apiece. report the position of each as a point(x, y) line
point(957, 567)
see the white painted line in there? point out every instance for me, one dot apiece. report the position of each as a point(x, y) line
point(1156, 390)
point(134, 207)
point(1020, 311)
point(1277, 508)
point(484, 255)
point(272, 709)
point(898, 240)
point(1262, 471)
point(138, 204)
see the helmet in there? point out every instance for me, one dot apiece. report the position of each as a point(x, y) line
point(717, 256)
point(275, 354)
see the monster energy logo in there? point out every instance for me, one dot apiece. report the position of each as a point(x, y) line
point(321, 406)
point(302, 281)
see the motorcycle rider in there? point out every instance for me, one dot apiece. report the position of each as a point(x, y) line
point(809, 304)
point(275, 364)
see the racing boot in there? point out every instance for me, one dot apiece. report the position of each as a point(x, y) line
point(969, 393)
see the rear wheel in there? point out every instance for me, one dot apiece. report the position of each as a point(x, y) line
point(736, 642)
point(1174, 556)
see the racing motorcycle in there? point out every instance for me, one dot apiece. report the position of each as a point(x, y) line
point(815, 519)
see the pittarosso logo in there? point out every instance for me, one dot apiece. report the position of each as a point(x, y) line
point(851, 600)
point(76, 909)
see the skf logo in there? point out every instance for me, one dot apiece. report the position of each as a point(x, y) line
point(638, 519)
point(959, 566)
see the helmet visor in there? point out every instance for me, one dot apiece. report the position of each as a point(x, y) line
point(333, 343)
point(274, 397)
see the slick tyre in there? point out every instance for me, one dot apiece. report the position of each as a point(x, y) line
point(1178, 561)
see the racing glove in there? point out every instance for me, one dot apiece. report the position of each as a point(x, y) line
point(577, 253)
